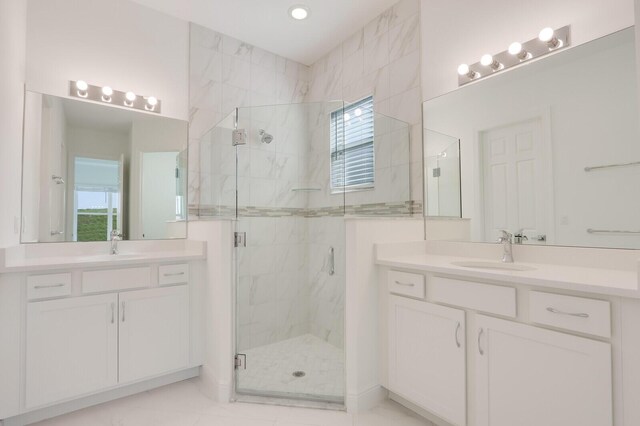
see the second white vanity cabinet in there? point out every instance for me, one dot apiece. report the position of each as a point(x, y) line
point(529, 376)
point(427, 356)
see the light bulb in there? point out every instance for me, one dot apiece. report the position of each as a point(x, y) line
point(463, 69)
point(515, 48)
point(486, 60)
point(347, 117)
point(152, 101)
point(130, 96)
point(106, 93)
point(82, 85)
point(546, 34)
point(358, 112)
point(299, 12)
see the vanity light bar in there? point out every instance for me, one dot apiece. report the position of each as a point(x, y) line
point(549, 40)
point(105, 94)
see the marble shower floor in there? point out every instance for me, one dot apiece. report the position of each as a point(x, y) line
point(182, 404)
point(270, 369)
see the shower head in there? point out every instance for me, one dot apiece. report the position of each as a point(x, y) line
point(265, 137)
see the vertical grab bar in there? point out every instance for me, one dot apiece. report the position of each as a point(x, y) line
point(332, 261)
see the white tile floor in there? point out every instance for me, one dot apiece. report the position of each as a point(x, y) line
point(182, 404)
point(270, 369)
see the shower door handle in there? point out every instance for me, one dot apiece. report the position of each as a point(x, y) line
point(332, 261)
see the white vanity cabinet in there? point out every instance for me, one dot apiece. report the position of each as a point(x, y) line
point(71, 347)
point(154, 332)
point(427, 356)
point(76, 346)
point(528, 376)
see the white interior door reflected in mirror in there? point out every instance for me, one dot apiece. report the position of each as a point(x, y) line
point(515, 180)
point(158, 207)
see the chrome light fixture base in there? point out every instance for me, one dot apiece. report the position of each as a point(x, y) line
point(91, 92)
point(532, 49)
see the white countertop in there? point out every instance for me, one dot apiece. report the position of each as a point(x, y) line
point(615, 282)
point(56, 256)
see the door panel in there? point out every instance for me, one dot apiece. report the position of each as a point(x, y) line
point(154, 332)
point(528, 376)
point(71, 348)
point(427, 356)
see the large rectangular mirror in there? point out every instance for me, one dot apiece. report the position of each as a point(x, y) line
point(90, 169)
point(550, 150)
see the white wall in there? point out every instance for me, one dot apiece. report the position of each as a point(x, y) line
point(455, 32)
point(108, 42)
point(12, 68)
point(362, 313)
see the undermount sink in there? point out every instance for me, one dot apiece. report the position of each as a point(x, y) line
point(103, 257)
point(499, 266)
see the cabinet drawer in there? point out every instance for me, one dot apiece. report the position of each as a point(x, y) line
point(571, 313)
point(48, 286)
point(488, 298)
point(115, 279)
point(406, 284)
point(173, 274)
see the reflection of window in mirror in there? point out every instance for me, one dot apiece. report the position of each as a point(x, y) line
point(97, 192)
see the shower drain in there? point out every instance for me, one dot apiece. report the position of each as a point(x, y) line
point(299, 374)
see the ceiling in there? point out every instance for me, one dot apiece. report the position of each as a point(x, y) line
point(267, 24)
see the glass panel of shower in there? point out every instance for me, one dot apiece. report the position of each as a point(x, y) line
point(283, 188)
point(442, 175)
point(290, 276)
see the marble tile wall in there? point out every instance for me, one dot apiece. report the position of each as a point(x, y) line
point(226, 73)
point(381, 59)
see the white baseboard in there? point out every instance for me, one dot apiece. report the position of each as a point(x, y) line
point(419, 411)
point(363, 401)
point(99, 398)
point(213, 388)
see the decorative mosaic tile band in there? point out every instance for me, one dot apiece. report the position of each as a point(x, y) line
point(407, 208)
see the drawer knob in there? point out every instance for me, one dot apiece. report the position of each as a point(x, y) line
point(175, 274)
point(571, 314)
point(405, 284)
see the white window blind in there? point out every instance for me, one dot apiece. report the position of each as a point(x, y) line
point(352, 151)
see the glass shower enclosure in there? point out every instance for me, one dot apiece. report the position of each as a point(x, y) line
point(281, 173)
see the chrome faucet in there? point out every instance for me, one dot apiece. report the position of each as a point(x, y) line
point(115, 237)
point(505, 240)
point(520, 238)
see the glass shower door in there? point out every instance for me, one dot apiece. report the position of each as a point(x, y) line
point(290, 275)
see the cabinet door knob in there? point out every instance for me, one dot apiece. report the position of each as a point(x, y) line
point(480, 333)
point(123, 318)
point(113, 312)
point(456, 334)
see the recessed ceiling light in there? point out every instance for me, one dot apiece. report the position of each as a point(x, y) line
point(299, 12)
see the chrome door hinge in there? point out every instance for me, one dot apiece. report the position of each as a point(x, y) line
point(239, 239)
point(240, 361)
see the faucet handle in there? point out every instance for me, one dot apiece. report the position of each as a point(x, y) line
point(505, 236)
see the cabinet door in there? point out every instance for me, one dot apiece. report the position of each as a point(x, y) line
point(71, 349)
point(154, 332)
point(528, 376)
point(427, 357)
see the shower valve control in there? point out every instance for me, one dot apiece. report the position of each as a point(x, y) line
point(239, 137)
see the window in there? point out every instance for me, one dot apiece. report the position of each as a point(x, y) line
point(352, 152)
